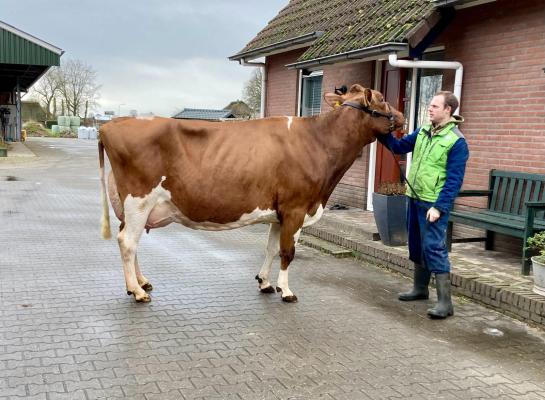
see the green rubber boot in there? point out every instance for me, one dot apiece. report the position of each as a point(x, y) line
point(420, 285)
point(443, 308)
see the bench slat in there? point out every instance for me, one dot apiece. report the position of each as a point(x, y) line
point(520, 186)
point(494, 197)
point(513, 184)
point(504, 186)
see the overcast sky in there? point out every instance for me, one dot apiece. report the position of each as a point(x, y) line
point(152, 56)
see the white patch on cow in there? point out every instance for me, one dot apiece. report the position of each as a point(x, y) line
point(296, 236)
point(309, 220)
point(290, 120)
point(146, 117)
point(273, 246)
point(257, 216)
point(283, 283)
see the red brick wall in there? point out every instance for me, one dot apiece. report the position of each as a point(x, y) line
point(503, 95)
point(281, 84)
point(502, 48)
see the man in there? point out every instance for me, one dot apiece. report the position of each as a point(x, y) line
point(440, 154)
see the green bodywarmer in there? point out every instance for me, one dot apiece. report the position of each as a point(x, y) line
point(429, 165)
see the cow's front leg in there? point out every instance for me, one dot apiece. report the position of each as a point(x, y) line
point(289, 233)
point(270, 252)
point(142, 280)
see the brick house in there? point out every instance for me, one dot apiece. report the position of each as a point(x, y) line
point(313, 46)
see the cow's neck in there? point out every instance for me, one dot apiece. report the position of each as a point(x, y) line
point(343, 136)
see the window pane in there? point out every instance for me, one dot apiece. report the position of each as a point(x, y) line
point(312, 95)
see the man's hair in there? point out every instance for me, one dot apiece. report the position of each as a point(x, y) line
point(450, 100)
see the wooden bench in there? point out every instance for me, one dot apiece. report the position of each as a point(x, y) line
point(515, 201)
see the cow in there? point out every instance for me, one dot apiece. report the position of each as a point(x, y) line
point(214, 176)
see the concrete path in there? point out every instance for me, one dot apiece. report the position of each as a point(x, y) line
point(69, 331)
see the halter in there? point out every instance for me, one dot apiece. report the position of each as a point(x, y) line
point(373, 113)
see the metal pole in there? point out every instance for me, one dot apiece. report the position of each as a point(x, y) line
point(18, 122)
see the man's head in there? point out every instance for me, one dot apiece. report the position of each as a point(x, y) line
point(441, 107)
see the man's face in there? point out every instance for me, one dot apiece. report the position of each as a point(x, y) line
point(438, 111)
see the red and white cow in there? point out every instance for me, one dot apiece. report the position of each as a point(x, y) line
point(224, 175)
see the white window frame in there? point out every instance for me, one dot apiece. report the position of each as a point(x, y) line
point(300, 88)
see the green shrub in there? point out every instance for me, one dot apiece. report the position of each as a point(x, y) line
point(537, 242)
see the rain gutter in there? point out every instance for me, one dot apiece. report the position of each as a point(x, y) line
point(278, 47)
point(368, 52)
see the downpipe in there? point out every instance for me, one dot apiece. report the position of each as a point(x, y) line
point(245, 63)
point(394, 62)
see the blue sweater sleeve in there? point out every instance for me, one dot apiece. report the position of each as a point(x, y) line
point(456, 166)
point(399, 146)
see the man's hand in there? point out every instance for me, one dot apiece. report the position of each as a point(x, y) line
point(433, 214)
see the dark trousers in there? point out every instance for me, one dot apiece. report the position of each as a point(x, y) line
point(427, 241)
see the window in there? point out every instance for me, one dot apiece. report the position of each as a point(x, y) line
point(311, 94)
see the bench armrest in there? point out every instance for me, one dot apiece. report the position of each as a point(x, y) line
point(535, 204)
point(474, 193)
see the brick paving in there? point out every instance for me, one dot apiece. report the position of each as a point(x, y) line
point(68, 330)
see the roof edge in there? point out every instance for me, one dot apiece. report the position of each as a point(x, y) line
point(367, 52)
point(284, 45)
point(460, 3)
point(31, 38)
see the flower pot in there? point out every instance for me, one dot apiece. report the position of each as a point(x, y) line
point(539, 276)
point(391, 218)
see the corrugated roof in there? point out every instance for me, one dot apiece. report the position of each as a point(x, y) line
point(348, 26)
point(23, 58)
point(199, 113)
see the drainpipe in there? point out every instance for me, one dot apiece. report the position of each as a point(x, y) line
point(245, 63)
point(436, 65)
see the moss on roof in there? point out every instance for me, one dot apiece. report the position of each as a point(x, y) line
point(348, 25)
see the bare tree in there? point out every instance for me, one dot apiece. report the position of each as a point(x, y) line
point(251, 93)
point(78, 86)
point(46, 90)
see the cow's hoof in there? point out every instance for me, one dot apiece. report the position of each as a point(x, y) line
point(144, 299)
point(278, 289)
point(290, 299)
point(257, 278)
point(268, 289)
point(129, 293)
point(147, 287)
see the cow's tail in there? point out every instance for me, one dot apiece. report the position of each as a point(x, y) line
point(106, 231)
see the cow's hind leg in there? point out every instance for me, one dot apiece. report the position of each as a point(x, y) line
point(289, 233)
point(270, 252)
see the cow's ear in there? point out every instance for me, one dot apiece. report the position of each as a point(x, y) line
point(367, 97)
point(333, 99)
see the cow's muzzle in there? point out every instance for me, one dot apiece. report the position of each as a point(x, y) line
point(374, 113)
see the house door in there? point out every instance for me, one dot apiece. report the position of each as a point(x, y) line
point(393, 88)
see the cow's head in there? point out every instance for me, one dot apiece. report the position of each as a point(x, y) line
point(380, 117)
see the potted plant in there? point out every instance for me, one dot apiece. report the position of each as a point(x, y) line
point(537, 242)
point(390, 211)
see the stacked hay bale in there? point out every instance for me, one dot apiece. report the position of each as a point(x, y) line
point(74, 124)
point(64, 124)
